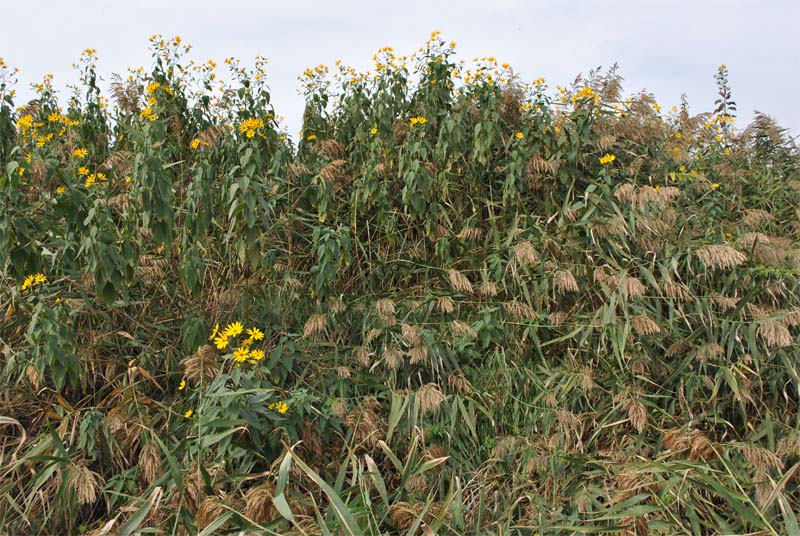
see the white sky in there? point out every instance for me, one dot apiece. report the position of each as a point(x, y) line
point(668, 48)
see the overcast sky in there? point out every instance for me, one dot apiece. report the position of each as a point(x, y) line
point(668, 48)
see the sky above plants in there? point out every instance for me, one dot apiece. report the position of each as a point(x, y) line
point(667, 48)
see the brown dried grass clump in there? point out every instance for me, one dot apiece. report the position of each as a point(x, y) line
point(775, 334)
point(365, 423)
point(404, 514)
point(470, 234)
point(418, 354)
point(445, 304)
point(259, 505)
point(644, 325)
point(150, 462)
point(392, 357)
point(296, 170)
point(210, 509)
point(329, 148)
point(519, 310)
point(386, 311)
point(315, 325)
point(674, 290)
point(459, 383)
point(564, 282)
point(488, 288)
point(462, 329)
point(362, 356)
point(709, 352)
point(84, 483)
point(333, 171)
point(720, 256)
point(757, 218)
point(630, 287)
point(152, 268)
point(429, 398)
point(525, 254)
point(459, 282)
point(693, 443)
point(202, 366)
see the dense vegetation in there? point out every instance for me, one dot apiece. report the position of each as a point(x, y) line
point(459, 304)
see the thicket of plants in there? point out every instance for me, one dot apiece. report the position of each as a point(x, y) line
point(459, 304)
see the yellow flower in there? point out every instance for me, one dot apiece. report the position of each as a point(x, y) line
point(727, 152)
point(60, 190)
point(221, 341)
point(90, 180)
point(188, 413)
point(250, 126)
point(39, 278)
point(256, 355)
point(280, 407)
point(255, 333)
point(25, 122)
point(80, 153)
point(148, 114)
point(28, 283)
point(21, 171)
point(83, 171)
point(234, 329)
point(182, 386)
point(195, 143)
point(311, 137)
point(240, 354)
point(719, 137)
point(214, 332)
point(519, 135)
point(586, 93)
point(373, 131)
point(128, 180)
point(682, 169)
point(607, 159)
point(715, 185)
point(420, 120)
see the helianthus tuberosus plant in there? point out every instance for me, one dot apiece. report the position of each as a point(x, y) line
point(459, 303)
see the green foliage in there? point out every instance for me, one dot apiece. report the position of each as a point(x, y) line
point(460, 304)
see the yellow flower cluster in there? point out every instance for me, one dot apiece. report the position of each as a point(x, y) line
point(80, 153)
point(280, 407)
point(94, 177)
point(148, 114)
point(33, 280)
point(197, 142)
point(251, 126)
point(586, 93)
point(243, 352)
point(607, 159)
point(419, 120)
